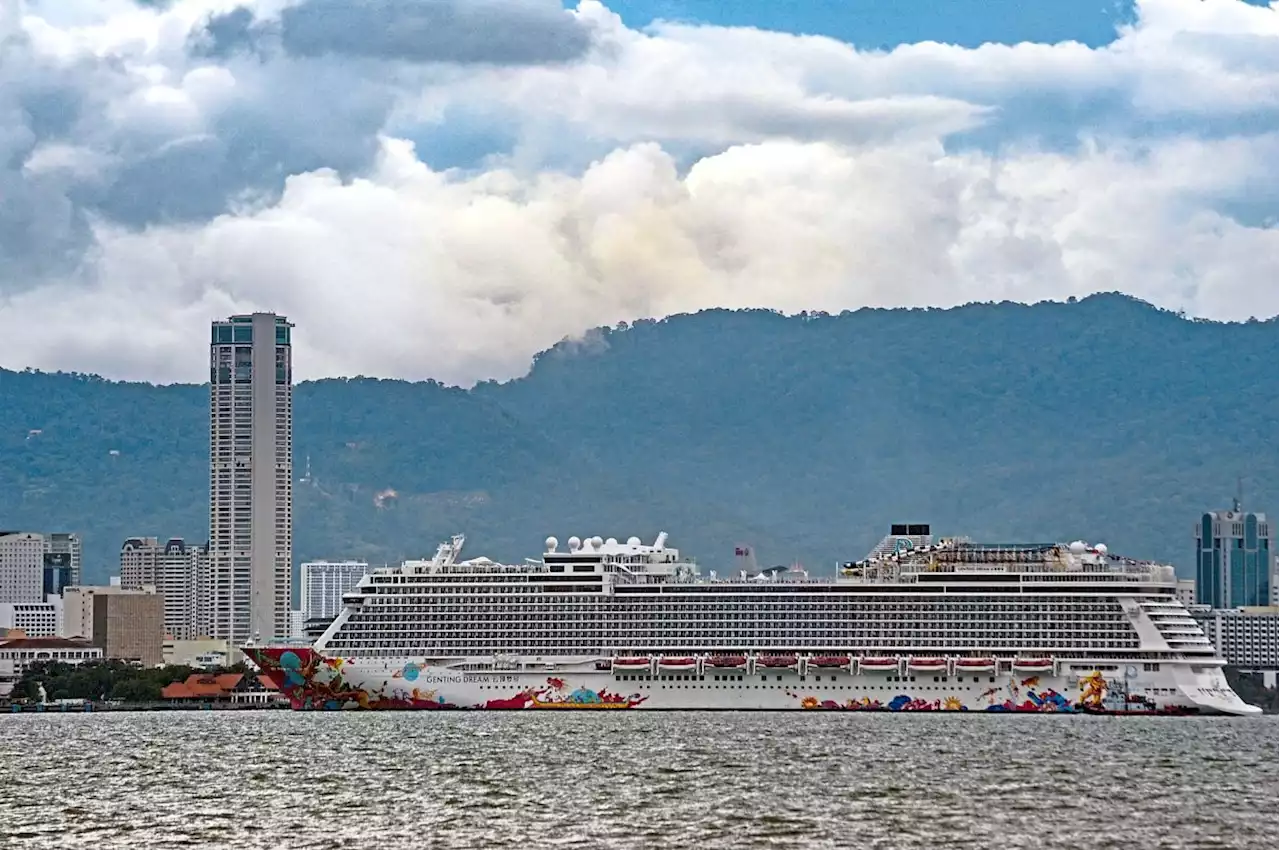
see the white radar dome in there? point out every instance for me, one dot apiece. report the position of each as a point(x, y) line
point(633, 541)
point(552, 543)
point(574, 543)
point(1101, 548)
point(1078, 547)
point(596, 542)
point(612, 541)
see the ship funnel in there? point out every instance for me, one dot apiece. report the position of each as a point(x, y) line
point(661, 541)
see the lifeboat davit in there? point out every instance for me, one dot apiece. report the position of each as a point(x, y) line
point(631, 663)
point(877, 664)
point(682, 663)
point(775, 661)
point(1033, 665)
point(927, 665)
point(727, 661)
point(975, 665)
point(829, 661)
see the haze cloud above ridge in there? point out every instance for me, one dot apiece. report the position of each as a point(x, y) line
point(441, 188)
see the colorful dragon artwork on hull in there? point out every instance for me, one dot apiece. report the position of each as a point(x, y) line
point(311, 681)
point(1019, 696)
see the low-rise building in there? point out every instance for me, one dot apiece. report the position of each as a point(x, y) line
point(35, 619)
point(77, 606)
point(223, 688)
point(17, 653)
point(130, 627)
point(204, 653)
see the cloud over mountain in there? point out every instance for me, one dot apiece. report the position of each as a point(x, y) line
point(165, 163)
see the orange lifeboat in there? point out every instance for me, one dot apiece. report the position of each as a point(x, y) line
point(634, 662)
point(679, 664)
point(878, 663)
point(975, 665)
point(927, 665)
point(1033, 665)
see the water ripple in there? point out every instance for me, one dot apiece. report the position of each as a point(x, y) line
point(317, 781)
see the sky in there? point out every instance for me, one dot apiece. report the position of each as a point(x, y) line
point(443, 188)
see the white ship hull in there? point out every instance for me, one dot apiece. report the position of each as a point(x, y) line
point(313, 681)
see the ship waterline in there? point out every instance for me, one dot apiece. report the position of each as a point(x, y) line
point(917, 626)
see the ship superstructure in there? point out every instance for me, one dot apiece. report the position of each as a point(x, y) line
point(919, 624)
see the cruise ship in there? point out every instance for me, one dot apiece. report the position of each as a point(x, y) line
point(918, 625)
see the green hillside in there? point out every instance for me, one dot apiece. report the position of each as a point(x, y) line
point(1105, 419)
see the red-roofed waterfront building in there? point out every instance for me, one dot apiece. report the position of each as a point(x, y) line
point(222, 687)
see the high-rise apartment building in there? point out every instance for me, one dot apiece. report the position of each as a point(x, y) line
point(21, 567)
point(250, 477)
point(1233, 559)
point(177, 571)
point(324, 582)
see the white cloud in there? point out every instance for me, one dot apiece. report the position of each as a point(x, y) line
point(71, 160)
point(826, 178)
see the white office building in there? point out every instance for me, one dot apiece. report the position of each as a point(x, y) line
point(324, 582)
point(33, 619)
point(1246, 638)
point(250, 478)
point(21, 567)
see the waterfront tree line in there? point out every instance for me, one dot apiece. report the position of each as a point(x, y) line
point(103, 680)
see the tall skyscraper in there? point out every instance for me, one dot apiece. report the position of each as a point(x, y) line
point(250, 478)
point(1233, 558)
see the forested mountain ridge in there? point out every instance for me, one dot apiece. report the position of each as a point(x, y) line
point(1106, 419)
